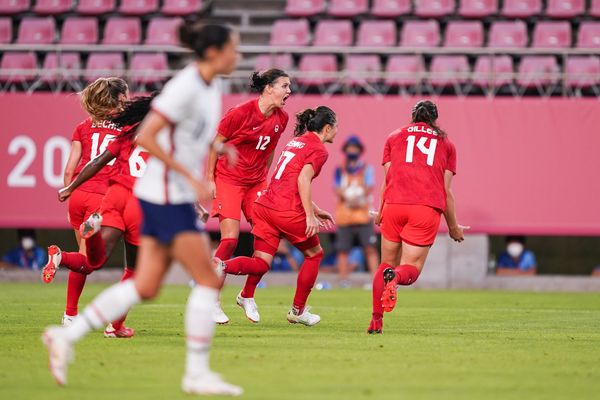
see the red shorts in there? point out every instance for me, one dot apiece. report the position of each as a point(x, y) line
point(232, 200)
point(82, 205)
point(414, 224)
point(120, 209)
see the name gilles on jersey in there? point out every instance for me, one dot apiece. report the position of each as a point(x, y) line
point(421, 129)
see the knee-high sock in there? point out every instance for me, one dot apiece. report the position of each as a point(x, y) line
point(226, 248)
point(76, 262)
point(378, 285)
point(109, 305)
point(95, 250)
point(199, 329)
point(254, 267)
point(406, 274)
point(127, 274)
point(75, 286)
point(306, 280)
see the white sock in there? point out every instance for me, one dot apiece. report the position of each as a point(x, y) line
point(199, 329)
point(108, 306)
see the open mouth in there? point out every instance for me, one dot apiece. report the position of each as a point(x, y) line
point(285, 98)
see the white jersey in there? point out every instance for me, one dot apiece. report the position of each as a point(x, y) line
point(193, 109)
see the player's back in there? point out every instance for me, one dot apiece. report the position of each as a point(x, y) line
point(130, 160)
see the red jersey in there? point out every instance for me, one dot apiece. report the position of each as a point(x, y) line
point(418, 159)
point(131, 161)
point(94, 138)
point(282, 193)
point(254, 137)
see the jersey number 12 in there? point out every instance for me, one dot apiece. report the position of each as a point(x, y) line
point(421, 145)
point(263, 142)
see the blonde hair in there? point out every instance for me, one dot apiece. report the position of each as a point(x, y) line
point(100, 98)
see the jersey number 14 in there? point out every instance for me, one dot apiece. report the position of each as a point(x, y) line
point(422, 146)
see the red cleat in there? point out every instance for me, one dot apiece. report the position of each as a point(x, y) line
point(388, 297)
point(54, 257)
point(122, 333)
point(376, 326)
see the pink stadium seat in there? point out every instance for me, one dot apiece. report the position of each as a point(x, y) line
point(448, 70)
point(163, 31)
point(391, 8)
point(333, 33)
point(521, 8)
point(582, 71)
point(377, 34)
point(267, 61)
point(144, 64)
point(79, 30)
point(10, 7)
point(552, 34)
point(508, 34)
point(290, 33)
point(316, 64)
point(404, 70)
point(138, 7)
point(434, 8)
point(348, 8)
point(420, 34)
point(360, 63)
point(95, 7)
point(533, 71)
point(477, 8)
point(53, 7)
point(104, 64)
point(588, 36)
point(304, 8)
point(36, 31)
point(180, 8)
point(594, 10)
point(62, 67)
point(5, 30)
point(565, 8)
point(497, 71)
point(17, 60)
point(119, 30)
point(464, 34)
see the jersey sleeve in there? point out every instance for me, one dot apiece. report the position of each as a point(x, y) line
point(173, 103)
point(317, 160)
point(230, 122)
point(451, 160)
point(387, 152)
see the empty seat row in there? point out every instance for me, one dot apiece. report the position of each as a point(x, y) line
point(99, 7)
point(426, 33)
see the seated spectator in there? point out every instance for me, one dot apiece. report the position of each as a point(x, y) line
point(516, 260)
point(27, 254)
point(287, 259)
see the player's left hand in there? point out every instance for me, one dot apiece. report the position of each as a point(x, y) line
point(457, 233)
point(325, 219)
point(64, 194)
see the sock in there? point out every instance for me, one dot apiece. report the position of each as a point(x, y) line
point(252, 282)
point(127, 274)
point(95, 250)
point(378, 285)
point(306, 280)
point(75, 286)
point(199, 329)
point(226, 248)
point(109, 305)
point(246, 266)
point(76, 262)
point(406, 274)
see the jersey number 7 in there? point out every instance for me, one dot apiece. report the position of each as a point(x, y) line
point(283, 161)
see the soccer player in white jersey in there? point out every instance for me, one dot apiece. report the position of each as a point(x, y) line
point(177, 133)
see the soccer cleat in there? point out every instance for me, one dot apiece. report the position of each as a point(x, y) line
point(306, 318)
point(376, 326)
point(250, 308)
point(219, 315)
point(91, 226)
point(60, 353)
point(122, 333)
point(209, 383)
point(388, 297)
point(67, 320)
point(54, 258)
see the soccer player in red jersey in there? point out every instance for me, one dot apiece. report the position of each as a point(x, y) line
point(419, 162)
point(285, 209)
point(253, 128)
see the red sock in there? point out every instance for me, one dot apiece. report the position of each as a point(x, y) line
point(306, 280)
point(250, 287)
point(406, 274)
point(95, 250)
point(378, 285)
point(246, 266)
point(75, 286)
point(76, 262)
point(226, 249)
point(127, 274)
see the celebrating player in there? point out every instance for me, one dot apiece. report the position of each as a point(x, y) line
point(286, 210)
point(177, 134)
point(419, 162)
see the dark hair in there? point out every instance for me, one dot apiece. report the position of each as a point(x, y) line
point(516, 238)
point(199, 37)
point(313, 120)
point(21, 233)
point(353, 140)
point(260, 81)
point(426, 111)
point(133, 112)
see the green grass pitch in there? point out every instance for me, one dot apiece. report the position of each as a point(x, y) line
point(436, 345)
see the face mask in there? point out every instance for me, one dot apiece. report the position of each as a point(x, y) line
point(514, 249)
point(352, 156)
point(27, 243)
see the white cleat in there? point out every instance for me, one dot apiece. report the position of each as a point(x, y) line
point(219, 315)
point(209, 383)
point(91, 226)
point(306, 318)
point(60, 353)
point(67, 320)
point(250, 308)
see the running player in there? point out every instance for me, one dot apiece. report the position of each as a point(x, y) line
point(286, 210)
point(177, 134)
point(253, 128)
point(420, 154)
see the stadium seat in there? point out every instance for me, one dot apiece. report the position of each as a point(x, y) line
point(12, 7)
point(95, 7)
point(127, 30)
point(104, 64)
point(420, 34)
point(588, 36)
point(391, 8)
point(143, 65)
point(52, 7)
point(448, 70)
point(267, 61)
point(79, 30)
point(564, 8)
point(5, 30)
point(496, 71)
point(477, 8)
point(507, 34)
point(521, 8)
point(534, 70)
point(552, 34)
point(290, 33)
point(138, 7)
point(333, 33)
point(360, 63)
point(17, 60)
point(316, 64)
point(594, 10)
point(304, 8)
point(377, 34)
point(61, 67)
point(404, 70)
point(163, 31)
point(348, 8)
point(582, 71)
point(434, 8)
point(464, 34)
point(180, 8)
point(34, 30)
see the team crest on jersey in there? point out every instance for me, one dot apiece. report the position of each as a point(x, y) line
point(276, 128)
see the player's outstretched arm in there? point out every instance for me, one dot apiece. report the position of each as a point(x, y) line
point(86, 173)
point(74, 157)
point(456, 230)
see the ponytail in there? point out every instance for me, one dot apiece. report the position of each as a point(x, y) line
point(426, 111)
point(313, 120)
point(133, 113)
point(100, 99)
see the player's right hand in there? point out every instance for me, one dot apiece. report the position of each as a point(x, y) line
point(457, 233)
point(63, 194)
point(312, 225)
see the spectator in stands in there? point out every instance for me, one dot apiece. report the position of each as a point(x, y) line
point(516, 260)
point(27, 254)
point(354, 182)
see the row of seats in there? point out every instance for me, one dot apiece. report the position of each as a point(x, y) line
point(85, 30)
point(442, 8)
point(100, 7)
point(427, 33)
